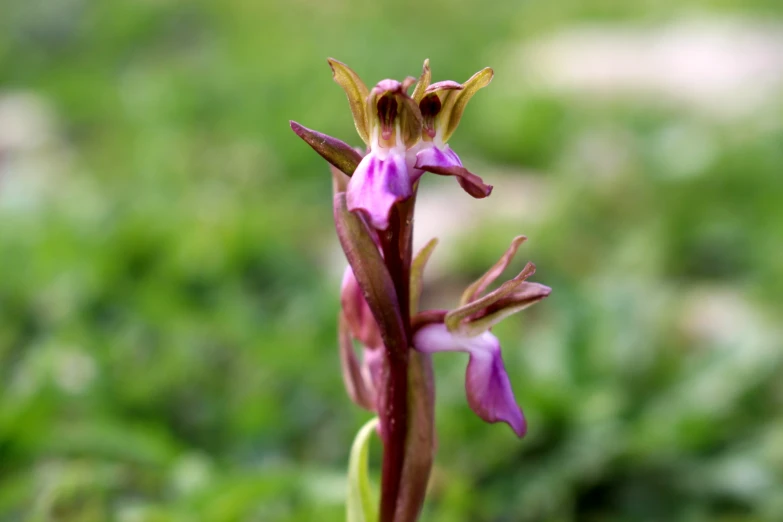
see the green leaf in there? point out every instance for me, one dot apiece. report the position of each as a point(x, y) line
point(361, 505)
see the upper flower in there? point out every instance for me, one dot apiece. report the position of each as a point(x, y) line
point(405, 137)
point(389, 122)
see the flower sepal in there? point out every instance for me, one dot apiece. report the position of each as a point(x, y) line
point(357, 93)
point(337, 152)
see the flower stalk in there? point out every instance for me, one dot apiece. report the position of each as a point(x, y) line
point(374, 202)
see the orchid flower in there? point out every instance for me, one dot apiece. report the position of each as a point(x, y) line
point(467, 329)
point(374, 196)
point(405, 137)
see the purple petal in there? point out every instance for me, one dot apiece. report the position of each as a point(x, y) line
point(486, 383)
point(376, 185)
point(445, 162)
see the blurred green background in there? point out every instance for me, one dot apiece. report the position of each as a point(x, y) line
point(169, 274)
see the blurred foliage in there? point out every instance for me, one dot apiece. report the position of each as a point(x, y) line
point(168, 293)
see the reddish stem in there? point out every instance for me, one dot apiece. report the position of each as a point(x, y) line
point(395, 244)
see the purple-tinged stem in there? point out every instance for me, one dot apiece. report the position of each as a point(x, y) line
point(394, 396)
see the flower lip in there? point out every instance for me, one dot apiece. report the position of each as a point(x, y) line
point(376, 185)
point(486, 381)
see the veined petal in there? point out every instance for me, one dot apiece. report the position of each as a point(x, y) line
point(394, 118)
point(486, 382)
point(376, 185)
point(445, 162)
